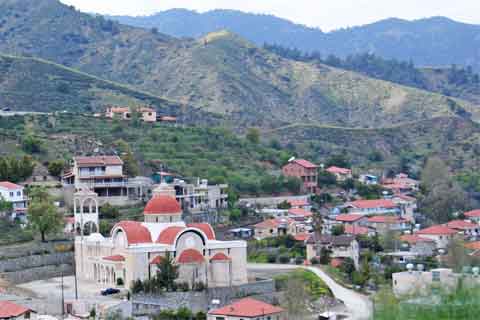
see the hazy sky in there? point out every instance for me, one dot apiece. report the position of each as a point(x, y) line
point(326, 14)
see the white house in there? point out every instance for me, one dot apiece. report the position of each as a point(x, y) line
point(442, 235)
point(14, 194)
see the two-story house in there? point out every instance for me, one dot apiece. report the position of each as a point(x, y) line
point(340, 247)
point(102, 175)
point(373, 207)
point(305, 171)
point(14, 194)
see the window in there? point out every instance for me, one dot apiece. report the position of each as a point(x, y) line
point(19, 193)
point(11, 194)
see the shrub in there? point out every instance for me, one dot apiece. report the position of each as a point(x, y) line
point(120, 282)
point(284, 259)
point(272, 258)
point(314, 260)
point(299, 260)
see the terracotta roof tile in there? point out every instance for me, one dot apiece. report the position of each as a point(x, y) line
point(370, 204)
point(300, 212)
point(10, 310)
point(135, 232)
point(98, 160)
point(461, 225)
point(162, 205)
point(349, 217)
point(338, 170)
point(190, 256)
point(248, 308)
point(116, 258)
point(414, 238)
point(437, 230)
point(305, 163)
point(355, 230)
point(168, 235)
point(156, 260)
point(9, 185)
point(473, 213)
point(205, 228)
point(220, 257)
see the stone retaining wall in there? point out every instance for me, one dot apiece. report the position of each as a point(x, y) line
point(37, 273)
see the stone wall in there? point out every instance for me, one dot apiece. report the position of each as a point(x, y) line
point(201, 301)
point(37, 273)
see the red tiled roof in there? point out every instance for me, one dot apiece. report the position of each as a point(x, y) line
point(461, 225)
point(272, 223)
point(98, 160)
point(349, 217)
point(205, 227)
point(298, 202)
point(162, 205)
point(135, 232)
point(10, 310)
point(338, 170)
point(157, 260)
point(302, 237)
point(116, 258)
point(168, 235)
point(437, 230)
point(9, 185)
point(355, 230)
point(414, 238)
point(367, 204)
point(220, 257)
point(300, 212)
point(386, 219)
point(190, 256)
point(473, 213)
point(305, 163)
point(336, 262)
point(473, 245)
point(248, 308)
point(405, 197)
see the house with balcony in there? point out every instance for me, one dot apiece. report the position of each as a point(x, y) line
point(305, 171)
point(14, 194)
point(104, 176)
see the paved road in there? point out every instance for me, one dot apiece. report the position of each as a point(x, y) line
point(358, 305)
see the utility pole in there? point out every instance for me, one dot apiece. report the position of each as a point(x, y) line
point(63, 299)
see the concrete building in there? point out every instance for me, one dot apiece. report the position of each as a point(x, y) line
point(417, 244)
point(14, 194)
point(134, 249)
point(305, 171)
point(464, 226)
point(442, 235)
point(104, 176)
point(341, 174)
point(341, 247)
point(277, 227)
point(384, 224)
point(373, 207)
point(125, 113)
point(413, 282)
point(248, 308)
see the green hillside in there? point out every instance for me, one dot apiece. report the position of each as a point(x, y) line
point(220, 73)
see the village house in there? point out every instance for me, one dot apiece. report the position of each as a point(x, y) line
point(10, 310)
point(407, 206)
point(14, 194)
point(473, 215)
point(401, 183)
point(305, 171)
point(104, 176)
point(277, 227)
point(384, 224)
point(442, 235)
point(341, 247)
point(347, 220)
point(248, 308)
point(466, 227)
point(421, 245)
point(358, 230)
point(368, 179)
point(341, 174)
point(134, 249)
point(125, 113)
point(372, 207)
point(299, 214)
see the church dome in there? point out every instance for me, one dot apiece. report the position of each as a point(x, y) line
point(162, 205)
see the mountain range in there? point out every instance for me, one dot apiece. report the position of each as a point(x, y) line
point(435, 41)
point(219, 73)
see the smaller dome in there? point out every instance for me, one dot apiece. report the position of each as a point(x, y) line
point(162, 205)
point(190, 256)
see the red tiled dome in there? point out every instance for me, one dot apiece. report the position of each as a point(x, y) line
point(134, 231)
point(205, 228)
point(162, 205)
point(168, 235)
point(190, 256)
point(220, 257)
point(157, 260)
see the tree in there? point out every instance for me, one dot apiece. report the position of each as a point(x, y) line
point(325, 178)
point(42, 213)
point(130, 165)
point(253, 135)
point(324, 256)
point(55, 168)
point(442, 197)
point(338, 160)
point(107, 211)
point(297, 298)
point(167, 272)
point(31, 144)
point(348, 267)
point(338, 230)
point(5, 206)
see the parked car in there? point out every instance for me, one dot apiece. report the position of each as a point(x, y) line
point(109, 291)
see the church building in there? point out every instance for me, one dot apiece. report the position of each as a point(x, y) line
point(134, 249)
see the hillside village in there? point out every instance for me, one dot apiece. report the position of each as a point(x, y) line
point(144, 176)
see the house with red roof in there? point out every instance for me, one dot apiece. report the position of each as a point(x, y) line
point(473, 215)
point(10, 310)
point(299, 214)
point(147, 114)
point(358, 230)
point(14, 194)
point(305, 171)
point(464, 226)
point(134, 249)
point(341, 174)
point(248, 308)
point(441, 234)
point(373, 207)
point(386, 223)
